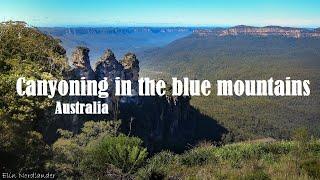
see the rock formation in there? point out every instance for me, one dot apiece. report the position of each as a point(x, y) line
point(81, 63)
point(131, 70)
point(108, 67)
point(162, 122)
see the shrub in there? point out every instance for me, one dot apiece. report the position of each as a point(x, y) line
point(312, 167)
point(66, 158)
point(123, 152)
point(198, 156)
point(158, 166)
point(68, 152)
point(257, 174)
point(242, 151)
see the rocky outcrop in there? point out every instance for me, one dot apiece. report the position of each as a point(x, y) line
point(131, 70)
point(108, 67)
point(162, 122)
point(261, 31)
point(81, 63)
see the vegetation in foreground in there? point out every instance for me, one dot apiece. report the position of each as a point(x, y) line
point(101, 152)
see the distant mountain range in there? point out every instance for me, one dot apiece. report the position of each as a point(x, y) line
point(120, 39)
point(60, 31)
point(138, 39)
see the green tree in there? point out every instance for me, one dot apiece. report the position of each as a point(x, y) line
point(25, 51)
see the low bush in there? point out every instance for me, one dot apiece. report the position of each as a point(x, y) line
point(312, 167)
point(198, 156)
point(157, 166)
point(123, 152)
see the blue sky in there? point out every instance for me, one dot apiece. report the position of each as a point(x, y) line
point(300, 13)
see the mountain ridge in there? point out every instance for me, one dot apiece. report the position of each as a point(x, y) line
point(120, 39)
point(261, 31)
point(110, 30)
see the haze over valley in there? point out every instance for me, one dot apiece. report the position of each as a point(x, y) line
point(120, 39)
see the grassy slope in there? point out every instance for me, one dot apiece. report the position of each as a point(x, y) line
point(260, 160)
point(246, 57)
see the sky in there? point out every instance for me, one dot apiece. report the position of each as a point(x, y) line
point(298, 13)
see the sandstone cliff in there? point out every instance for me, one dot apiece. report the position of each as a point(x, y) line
point(261, 31)
point(166, 122)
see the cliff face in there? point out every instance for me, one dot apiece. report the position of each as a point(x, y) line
point(162, 122)
point(81, 62)
point(261, 31)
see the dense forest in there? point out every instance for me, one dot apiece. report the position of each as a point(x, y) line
point(103, 149)
point(246, 57)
